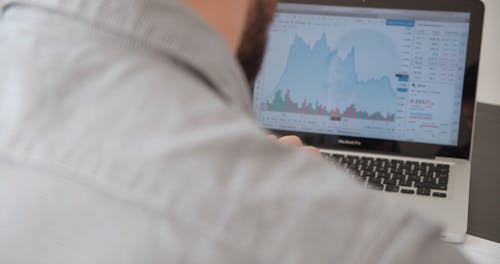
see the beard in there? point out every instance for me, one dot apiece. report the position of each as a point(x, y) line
point(254, 40)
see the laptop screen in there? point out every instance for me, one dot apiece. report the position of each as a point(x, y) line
point(364, 72)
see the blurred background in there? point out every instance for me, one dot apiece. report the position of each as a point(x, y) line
point(489, 69)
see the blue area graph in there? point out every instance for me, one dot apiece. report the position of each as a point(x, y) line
point(318, 75)
point(368, 77)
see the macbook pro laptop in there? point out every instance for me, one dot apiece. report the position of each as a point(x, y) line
point(384, 88)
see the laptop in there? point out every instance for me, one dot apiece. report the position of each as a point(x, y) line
point(384, 88)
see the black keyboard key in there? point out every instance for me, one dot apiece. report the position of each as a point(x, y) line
point(398, 176)
point(441, 175)
point(432, 171)
point(389, 188)
point(367, 160)
point(392, 182)
point(397, 170)
point(414, 178)
point(383, 175)
point(376, 186)
point(407, 166)
point(407, 191)
point(421, 172)
point(412, 173)
point(442, 181)
point(370, 174)
point(353, 167)
point(378, 162)
point(337, 157)
point(353, 162)
point(443, 178)
point(431, 167)
point(347, 160)
point(427, 173)
point(443, 167)
point(437, 186)
point(399, 162)
point(422, 185)
point(438, 194)
point(375, 180)
point(370, 168)
point(420, 167)
point(428, 180)
point(406, 183)
point(365, 163)
point(338, 161)
point(412, 163)
point(326, 155)
point(424, 191)
point(384, 170)
point(392, 166)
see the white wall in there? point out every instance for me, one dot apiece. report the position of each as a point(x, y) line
point(489, 68)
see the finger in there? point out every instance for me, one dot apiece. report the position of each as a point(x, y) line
point(291, 140)
point(272, 137)
point(312, 150)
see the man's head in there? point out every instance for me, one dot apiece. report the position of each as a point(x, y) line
point(243, 24)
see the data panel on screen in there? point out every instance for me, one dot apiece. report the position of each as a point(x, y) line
point(364, 73)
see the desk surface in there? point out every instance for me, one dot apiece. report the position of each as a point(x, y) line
point(480, 251)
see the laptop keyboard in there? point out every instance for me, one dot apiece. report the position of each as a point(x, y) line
point(392, 175)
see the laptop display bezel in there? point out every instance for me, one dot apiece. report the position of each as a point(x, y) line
point(462, 151)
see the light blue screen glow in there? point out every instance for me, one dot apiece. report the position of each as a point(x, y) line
point(364, 72)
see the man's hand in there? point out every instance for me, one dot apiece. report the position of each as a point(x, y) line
point(295, 141)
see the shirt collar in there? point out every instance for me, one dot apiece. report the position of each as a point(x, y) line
point(169, 27)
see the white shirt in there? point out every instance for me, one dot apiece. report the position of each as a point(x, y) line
point(127, 136)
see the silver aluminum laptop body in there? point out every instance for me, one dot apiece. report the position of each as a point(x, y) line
point(384, 80)
point(450, 212)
